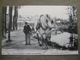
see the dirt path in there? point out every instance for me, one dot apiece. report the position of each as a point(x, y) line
point(18, 47)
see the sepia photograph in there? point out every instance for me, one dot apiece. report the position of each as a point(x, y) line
point(39, 30)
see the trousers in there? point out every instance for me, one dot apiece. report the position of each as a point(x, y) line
point(27, 38)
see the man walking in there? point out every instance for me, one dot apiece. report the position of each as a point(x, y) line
point(27, 31)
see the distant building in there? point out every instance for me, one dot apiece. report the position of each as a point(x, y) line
point(63, 24)
point(21, 22)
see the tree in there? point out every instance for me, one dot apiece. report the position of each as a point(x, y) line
point(15, 17)
point(73, 27)
point(72, 20)
point(4, 21)
point(9, 25)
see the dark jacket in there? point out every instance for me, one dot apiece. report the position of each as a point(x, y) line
point(27, 29)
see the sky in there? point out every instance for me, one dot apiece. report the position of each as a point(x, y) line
point(53, 11)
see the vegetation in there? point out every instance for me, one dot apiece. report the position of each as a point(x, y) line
point(9, 21)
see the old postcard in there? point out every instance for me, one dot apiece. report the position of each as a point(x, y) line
point(39, 30)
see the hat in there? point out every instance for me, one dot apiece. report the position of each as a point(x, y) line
point(52, 21)
point(25, 22)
